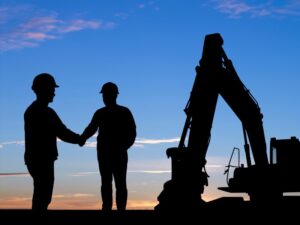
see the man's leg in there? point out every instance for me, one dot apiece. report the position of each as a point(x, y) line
point(120, 171)
point(106, 180)
point(43, 181)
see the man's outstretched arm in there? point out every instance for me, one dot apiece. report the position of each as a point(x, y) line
point(63, 132)
point(89, 131)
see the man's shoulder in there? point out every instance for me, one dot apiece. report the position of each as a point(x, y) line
point(107, 110)
point(37, 108)
point(100, 110)
point(123, 108)
point(32, 108)
point(29, 108)
point(117, 107)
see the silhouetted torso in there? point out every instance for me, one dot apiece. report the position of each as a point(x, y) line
point(41, 123)
point(42, 127)
point(116, 128)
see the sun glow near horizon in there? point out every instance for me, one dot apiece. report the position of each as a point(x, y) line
point(144, 186)
point(83, 203)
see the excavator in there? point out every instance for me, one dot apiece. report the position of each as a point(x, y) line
point(264, 180)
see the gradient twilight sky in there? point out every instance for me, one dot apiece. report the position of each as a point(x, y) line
point(149, 49)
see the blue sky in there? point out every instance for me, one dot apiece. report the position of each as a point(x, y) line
point(149, 49)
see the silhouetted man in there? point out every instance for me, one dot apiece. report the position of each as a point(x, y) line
point(116, 134)
point(42, 128)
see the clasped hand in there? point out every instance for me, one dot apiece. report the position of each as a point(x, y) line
point(81, 141)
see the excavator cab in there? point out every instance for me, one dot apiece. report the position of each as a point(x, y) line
point(268, 184)
point(285, 154)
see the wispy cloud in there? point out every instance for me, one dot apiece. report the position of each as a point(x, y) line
point(156, 141)
point(84, 174)
point(38, 36)
point(238, 8)
point(2, 144)
point(24, 26)
point(60, 201)
point(19, 202)
point(151, 5)
point(140, 142)
point(141, 204)
point(150, 171)
point(75, 201)
point(14, 174)
point(32, 27)
point(210, 167)
point(77, 25)
point(141, 6)
point(90, 144)
point(74, 195)
point(122, 15)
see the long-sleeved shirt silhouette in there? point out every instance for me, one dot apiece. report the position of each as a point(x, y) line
point(42, 128)
point(115, 125)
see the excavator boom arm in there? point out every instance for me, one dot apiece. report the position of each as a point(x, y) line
point(217, 76)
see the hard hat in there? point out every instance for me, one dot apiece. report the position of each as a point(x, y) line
point(43, 80)
point(109, 87)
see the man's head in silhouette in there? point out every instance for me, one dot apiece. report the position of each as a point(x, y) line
point(109, 93)
point(44, 87)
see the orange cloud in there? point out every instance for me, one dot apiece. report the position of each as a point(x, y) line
point(15, 203)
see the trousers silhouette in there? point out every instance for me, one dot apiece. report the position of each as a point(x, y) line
point(113, 167)
point(43, 181)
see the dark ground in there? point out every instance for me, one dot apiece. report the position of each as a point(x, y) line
point(224, 211)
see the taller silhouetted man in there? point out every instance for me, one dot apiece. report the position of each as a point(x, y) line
point(42, 128)
point(116, 134)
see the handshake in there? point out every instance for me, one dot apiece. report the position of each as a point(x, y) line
point(81, 140)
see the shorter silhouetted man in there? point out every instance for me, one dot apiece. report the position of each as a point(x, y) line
point(116, 134)
point(42, 128)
